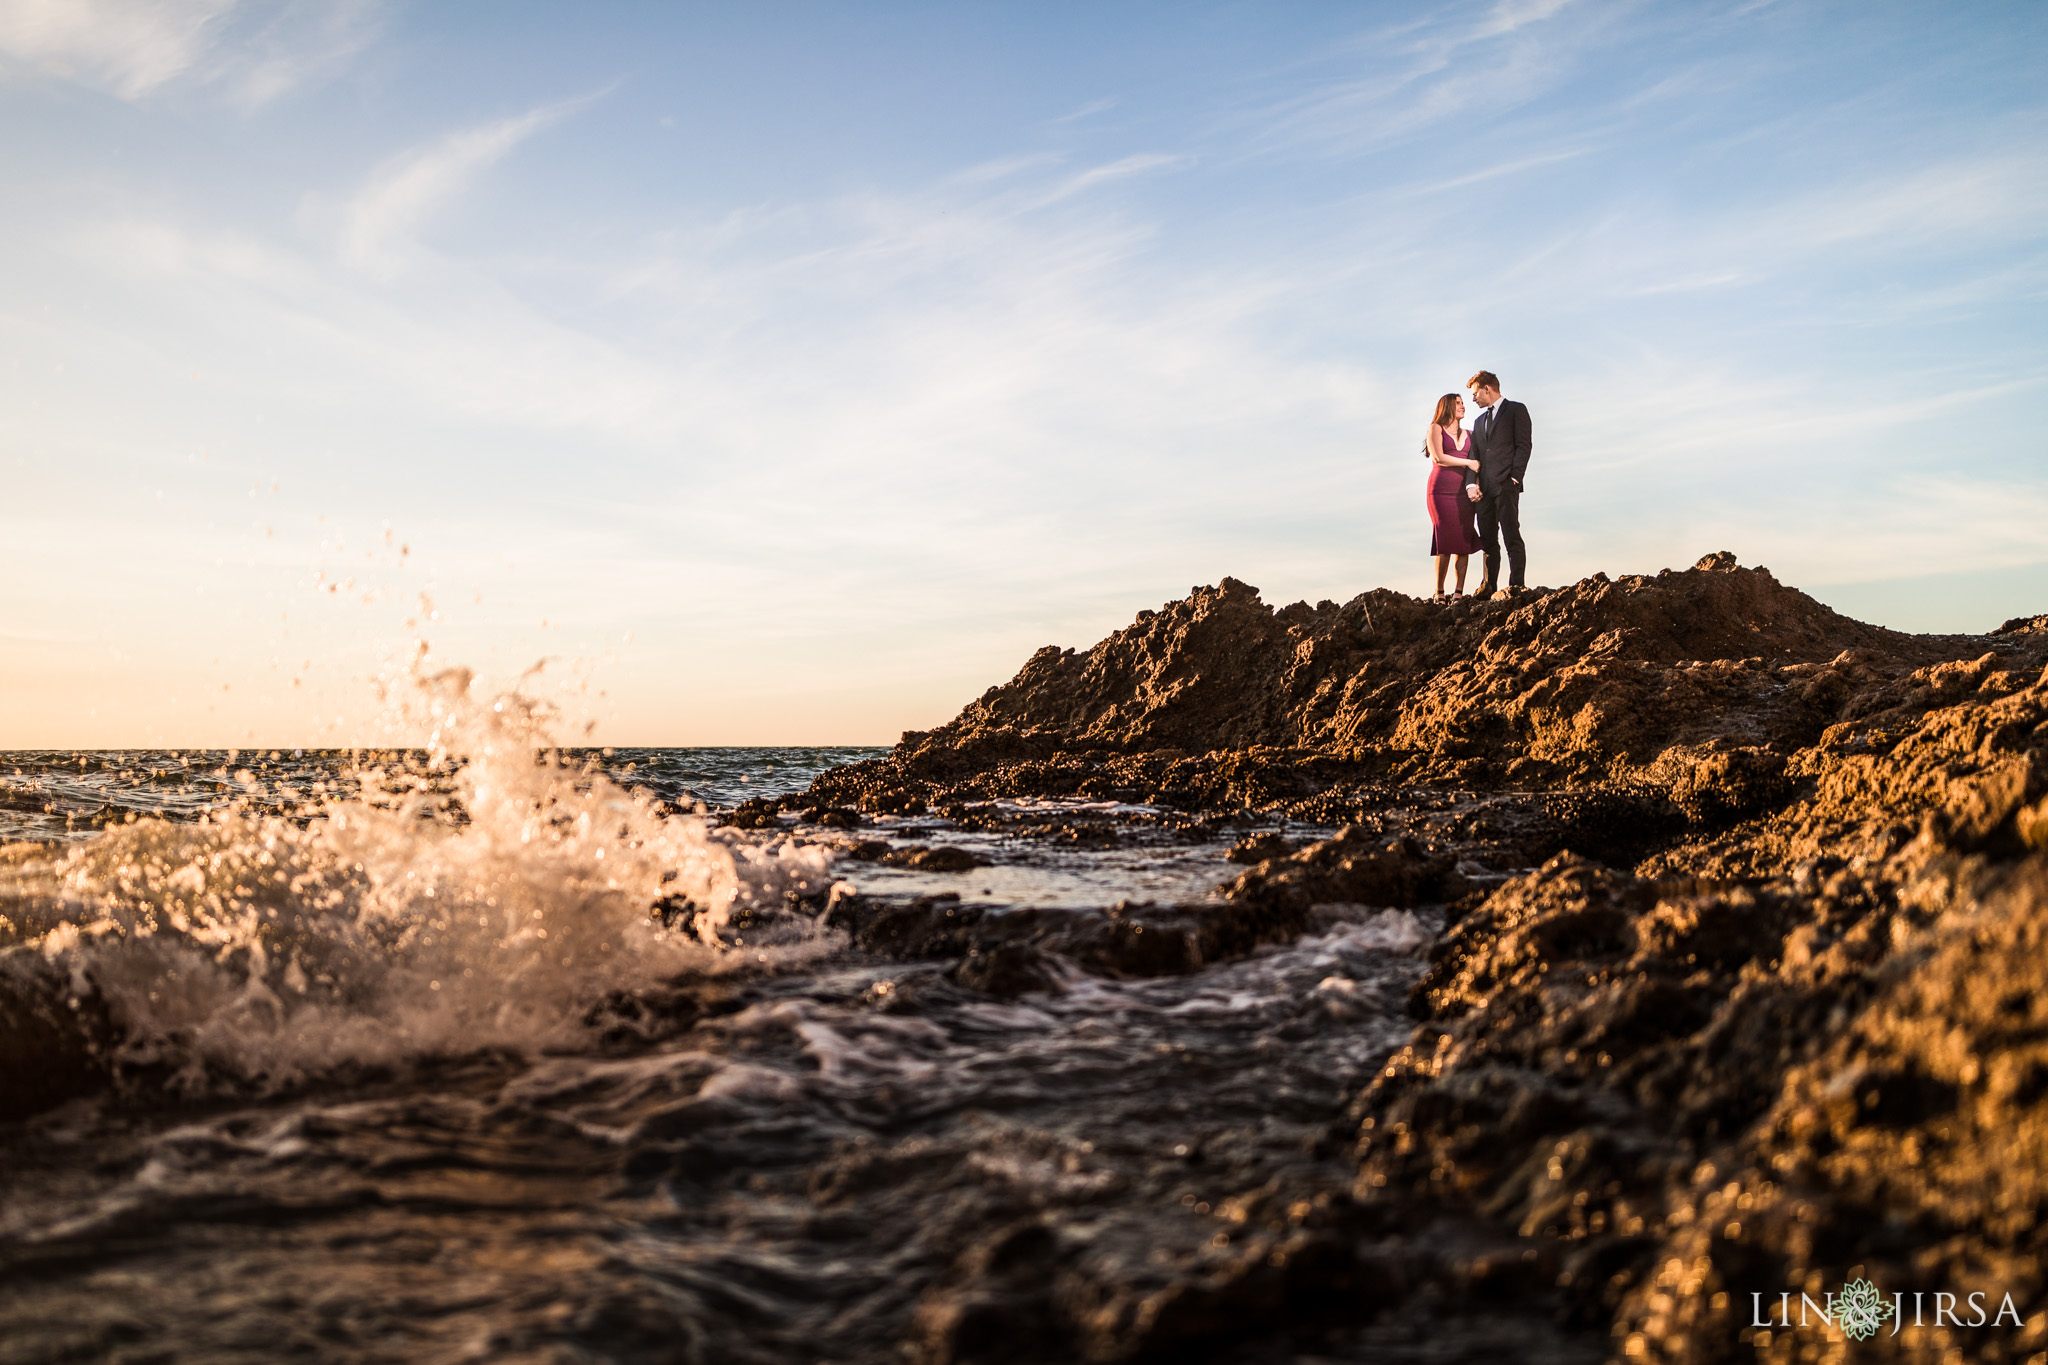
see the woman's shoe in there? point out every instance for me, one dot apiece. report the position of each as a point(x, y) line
point(1439, 598)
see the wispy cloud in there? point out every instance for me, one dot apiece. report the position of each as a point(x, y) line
point(1954, 200)
point(1458, 66)
point(1914, 530)
point(130, 48)
point(1121, 169)
point(1500, 170)
point(1511, 15)
point(295, 44)
point(1003, 167)
point(1088, 110)
point(253, 51)
point(379, 222)
point(1906, 218)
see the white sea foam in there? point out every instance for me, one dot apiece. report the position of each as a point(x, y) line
point(256, 949)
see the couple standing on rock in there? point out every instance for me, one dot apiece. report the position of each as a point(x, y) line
point(1477, 473)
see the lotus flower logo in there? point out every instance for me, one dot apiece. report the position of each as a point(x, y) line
point(1860, 1310)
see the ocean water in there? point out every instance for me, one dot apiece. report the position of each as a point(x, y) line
point(493, 1052)
point(72, 794)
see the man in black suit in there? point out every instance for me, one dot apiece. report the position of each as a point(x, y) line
point(1500, 442)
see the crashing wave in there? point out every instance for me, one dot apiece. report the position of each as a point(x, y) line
point(256, 949)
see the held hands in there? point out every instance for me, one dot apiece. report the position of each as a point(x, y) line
point(1472, 491)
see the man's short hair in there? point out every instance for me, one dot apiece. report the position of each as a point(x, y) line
point(1485, 379)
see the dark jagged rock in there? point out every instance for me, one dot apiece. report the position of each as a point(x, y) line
point(1257, 848)
point(1130, 940)
point(758, 813)
point(54, 1042)
point(944, 858)
point(1355, 867)
point(1008, 970)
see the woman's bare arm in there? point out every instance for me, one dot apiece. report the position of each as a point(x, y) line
point(1435, 441)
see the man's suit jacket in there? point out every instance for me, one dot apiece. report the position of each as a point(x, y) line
point(1503, 452)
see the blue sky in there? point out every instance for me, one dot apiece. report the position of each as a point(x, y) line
point(788, 373)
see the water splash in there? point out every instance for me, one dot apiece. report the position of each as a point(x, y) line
point(483, 898)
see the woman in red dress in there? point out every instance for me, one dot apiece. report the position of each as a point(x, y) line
point(1452, 513)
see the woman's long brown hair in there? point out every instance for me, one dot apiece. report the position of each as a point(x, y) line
point(1445, 406)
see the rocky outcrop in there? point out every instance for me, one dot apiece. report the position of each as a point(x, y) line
point(1769, 1014)
point(1704, 681)
point(1805, 1050)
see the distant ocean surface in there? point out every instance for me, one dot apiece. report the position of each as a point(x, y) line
point(71, 793)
